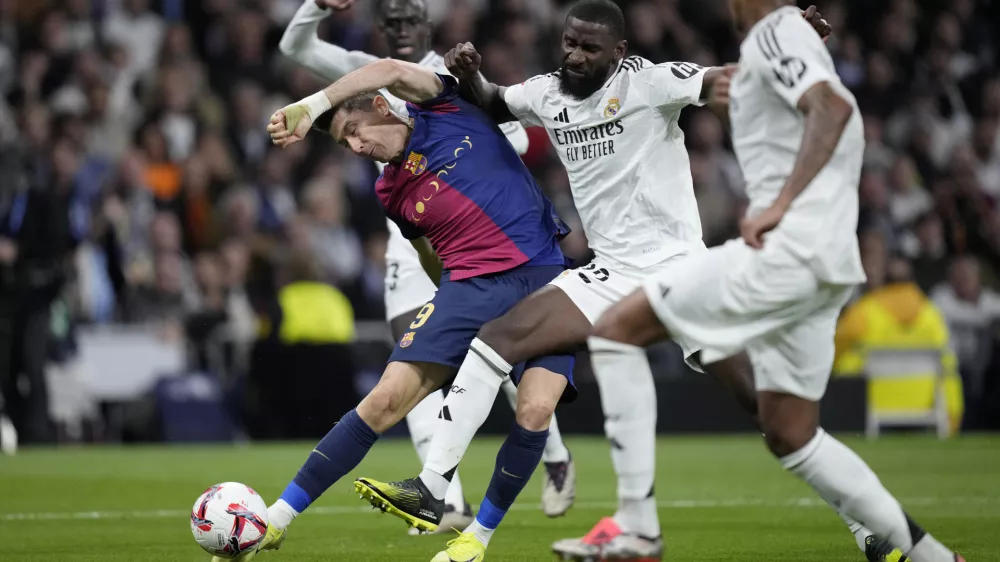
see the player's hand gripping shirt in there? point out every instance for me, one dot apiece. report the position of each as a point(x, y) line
point(463, 187)
point(780, 60)
point(625, 156)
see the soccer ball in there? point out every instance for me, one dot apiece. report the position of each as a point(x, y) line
point(229, 519)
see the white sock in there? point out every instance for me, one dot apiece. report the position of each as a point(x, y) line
point(280, 514)
point(465, 409)
point(421, 422)
point(628, 398)
point(455, 496)
point(859, 531)
point(482, 533)
point(845, 482)
point(555, 449)
point(928, 549)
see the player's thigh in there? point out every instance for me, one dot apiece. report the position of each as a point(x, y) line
point(729, 296)
point(559, 317)
point(631, 321)
point(539, 391)
point(544, 323)
point(402, 386)
point(441, 331)
point(798, 358)
point(400, 324)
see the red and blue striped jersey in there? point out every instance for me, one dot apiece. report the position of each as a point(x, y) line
point(463, 186)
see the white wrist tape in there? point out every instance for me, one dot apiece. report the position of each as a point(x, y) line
point(317, 104)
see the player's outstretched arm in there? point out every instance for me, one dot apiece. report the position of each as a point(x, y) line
point(405, 80)
point(301, 43)
point(463, 63)
point(826, 117)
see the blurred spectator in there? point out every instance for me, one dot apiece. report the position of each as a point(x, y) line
point(39, 229)
point(895, 313)
point(971, 312)
point(928, 252)
point(140, 31)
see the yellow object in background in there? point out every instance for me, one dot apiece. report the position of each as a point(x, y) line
point(898, 316)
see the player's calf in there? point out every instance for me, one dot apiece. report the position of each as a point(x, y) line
point(539, 391)
point(840, 476)
point(403, 385)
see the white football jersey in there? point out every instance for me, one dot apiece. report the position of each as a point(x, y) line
point(624, 152)
point(781, 58)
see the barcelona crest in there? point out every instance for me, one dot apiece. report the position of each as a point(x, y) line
point(415, 163)
point(407, 339)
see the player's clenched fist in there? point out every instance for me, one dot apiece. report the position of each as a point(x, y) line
point(719, 95)
point(289, 125)
point(463, 61)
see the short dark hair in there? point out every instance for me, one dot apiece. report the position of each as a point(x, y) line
point(360, 102)
point(603, 12)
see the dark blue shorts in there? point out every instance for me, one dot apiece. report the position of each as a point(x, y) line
point(444, 328)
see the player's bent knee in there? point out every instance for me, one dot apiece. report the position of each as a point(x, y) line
point(380, 409)
point(393, 397)
point(783, 440)
point(535, 414)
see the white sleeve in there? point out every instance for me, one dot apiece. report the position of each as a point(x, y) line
point(523, 100)
point(516, 136)
point(301, 44)
point(791, 57)
point(672, 84)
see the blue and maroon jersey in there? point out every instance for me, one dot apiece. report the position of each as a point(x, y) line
point(462, 186)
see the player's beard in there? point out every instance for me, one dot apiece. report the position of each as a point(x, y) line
point(579, 87)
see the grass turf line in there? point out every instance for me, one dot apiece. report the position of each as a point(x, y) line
point(722, 499)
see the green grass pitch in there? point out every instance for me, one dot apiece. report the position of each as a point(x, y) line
point(722, 499)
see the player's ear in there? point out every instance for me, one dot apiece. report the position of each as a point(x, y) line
point(620, 49)
point(381, 106)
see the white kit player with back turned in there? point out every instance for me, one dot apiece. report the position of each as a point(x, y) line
point(778, 291)
point(613, 120)
point(405, 27)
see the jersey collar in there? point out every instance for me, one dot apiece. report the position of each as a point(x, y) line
point(428, 58)
point(614, 74)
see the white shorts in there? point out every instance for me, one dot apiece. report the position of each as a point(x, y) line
point(598, 285)
point(733, 298)
point(407, 286)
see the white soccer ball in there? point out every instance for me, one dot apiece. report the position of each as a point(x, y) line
point(229, 519)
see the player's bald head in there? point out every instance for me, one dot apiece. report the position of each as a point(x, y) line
point(388, 7)
point(600, 12)
point(593, 45)
point(405, 27)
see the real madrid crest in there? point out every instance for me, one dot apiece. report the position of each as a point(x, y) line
point(613, 107)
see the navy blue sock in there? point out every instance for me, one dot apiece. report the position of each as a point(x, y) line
point(516, 462)
point(336, 454)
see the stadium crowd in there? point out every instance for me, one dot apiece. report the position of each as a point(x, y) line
point(140, 186)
